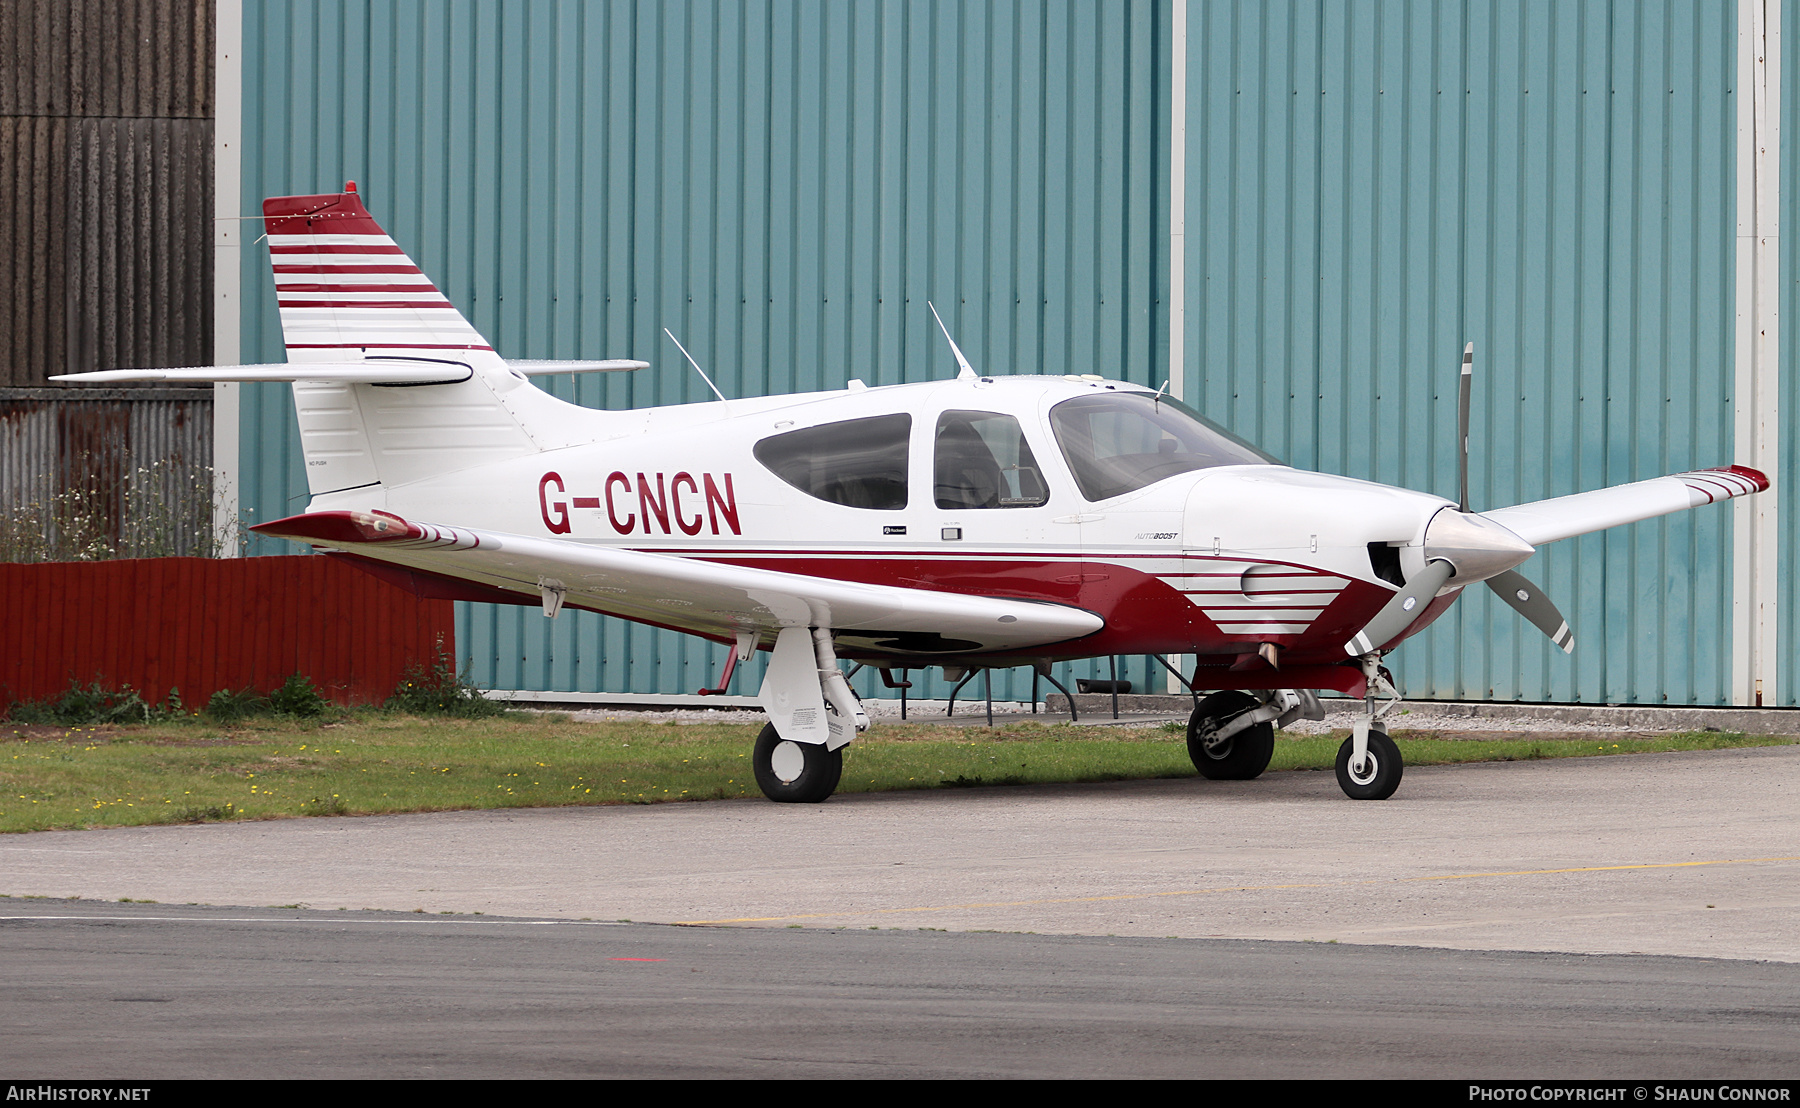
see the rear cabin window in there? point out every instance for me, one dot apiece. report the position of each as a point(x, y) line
point(859, 463)
point(981, 460)
point(1119, 442)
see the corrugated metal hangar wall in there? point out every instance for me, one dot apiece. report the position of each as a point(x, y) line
point(1366, 186)
point(1372, 185)
point(105, 148)
point(106, 136)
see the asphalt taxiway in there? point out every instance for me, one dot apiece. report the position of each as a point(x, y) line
point(1572, 911)
point(146, 991)
point(1693, 853)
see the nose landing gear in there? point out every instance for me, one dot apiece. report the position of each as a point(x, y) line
point(1369, 765)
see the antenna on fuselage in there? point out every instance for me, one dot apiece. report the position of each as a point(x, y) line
point(968, 371)
point(696, 365)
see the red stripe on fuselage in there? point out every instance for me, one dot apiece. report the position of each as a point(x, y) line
point(1143, 615)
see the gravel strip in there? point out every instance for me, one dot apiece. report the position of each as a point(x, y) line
point(1407, 717)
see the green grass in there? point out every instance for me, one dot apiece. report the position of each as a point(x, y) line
point(62, 777)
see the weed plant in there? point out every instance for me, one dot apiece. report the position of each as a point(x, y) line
point(300, 698)
point(441, 691)
point(83, 707)
point(236, 705)
point(98, 705)
point(163, 510)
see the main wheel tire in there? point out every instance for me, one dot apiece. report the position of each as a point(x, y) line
point(1377, 779)
point(1241, 757)
point(795, 773)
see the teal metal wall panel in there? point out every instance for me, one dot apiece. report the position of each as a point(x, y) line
point(1371, 185)
point(782, 184)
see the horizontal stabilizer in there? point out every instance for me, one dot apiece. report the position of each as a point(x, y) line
point(1567, 516)
point(690, 594)
point(535, 368)
point(354, 373)
point(383, 371)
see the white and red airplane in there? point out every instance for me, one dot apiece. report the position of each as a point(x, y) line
point(980, 521)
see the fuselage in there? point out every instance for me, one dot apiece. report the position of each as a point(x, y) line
point(1077, 491)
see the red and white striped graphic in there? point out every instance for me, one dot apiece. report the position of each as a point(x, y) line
point(1258, 598)
point(1706, 486)
point(343, 284)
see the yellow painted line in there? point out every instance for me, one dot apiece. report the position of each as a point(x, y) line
point(1228, 889)
point(1600, 869)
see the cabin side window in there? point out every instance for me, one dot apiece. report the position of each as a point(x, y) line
point(859, 463)
point(981, 460)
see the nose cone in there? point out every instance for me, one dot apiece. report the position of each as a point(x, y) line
point(1478, 547)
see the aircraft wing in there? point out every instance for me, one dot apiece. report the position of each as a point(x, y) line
point(702, 597)
point(1567, 516)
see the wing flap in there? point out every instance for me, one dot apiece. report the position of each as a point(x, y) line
point(693, 595)
point(1567, 516)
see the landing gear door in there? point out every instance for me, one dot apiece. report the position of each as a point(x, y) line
point(790, 691)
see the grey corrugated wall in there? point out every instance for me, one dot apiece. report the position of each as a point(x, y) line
point(106, 211)
point(141, 456)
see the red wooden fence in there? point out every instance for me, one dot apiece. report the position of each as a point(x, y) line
point(200, 625)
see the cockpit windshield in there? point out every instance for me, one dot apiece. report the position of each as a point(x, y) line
point(1119, 442)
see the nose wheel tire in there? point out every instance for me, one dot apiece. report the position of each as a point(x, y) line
point(1241, 756)
point(1378, 776)
point(795, 773)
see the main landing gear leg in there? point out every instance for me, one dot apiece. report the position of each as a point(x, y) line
point(1369, 764)
point(812, 715)
point(1231, 735)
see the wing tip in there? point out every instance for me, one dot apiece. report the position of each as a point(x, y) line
point(1754, 476)
point(338, 527)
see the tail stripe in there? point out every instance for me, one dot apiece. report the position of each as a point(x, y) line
point(337, 250)
point(336, 269)
point(353, 280)
point(360, 256)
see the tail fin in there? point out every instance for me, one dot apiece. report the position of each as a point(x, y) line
point(347, 292)
point(345, 286)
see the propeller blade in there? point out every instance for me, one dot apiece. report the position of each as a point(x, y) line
point(1462, 426)
point(1399, 613)
point(1529, 601)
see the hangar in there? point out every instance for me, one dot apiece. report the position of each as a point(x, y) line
point(1293, 213)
